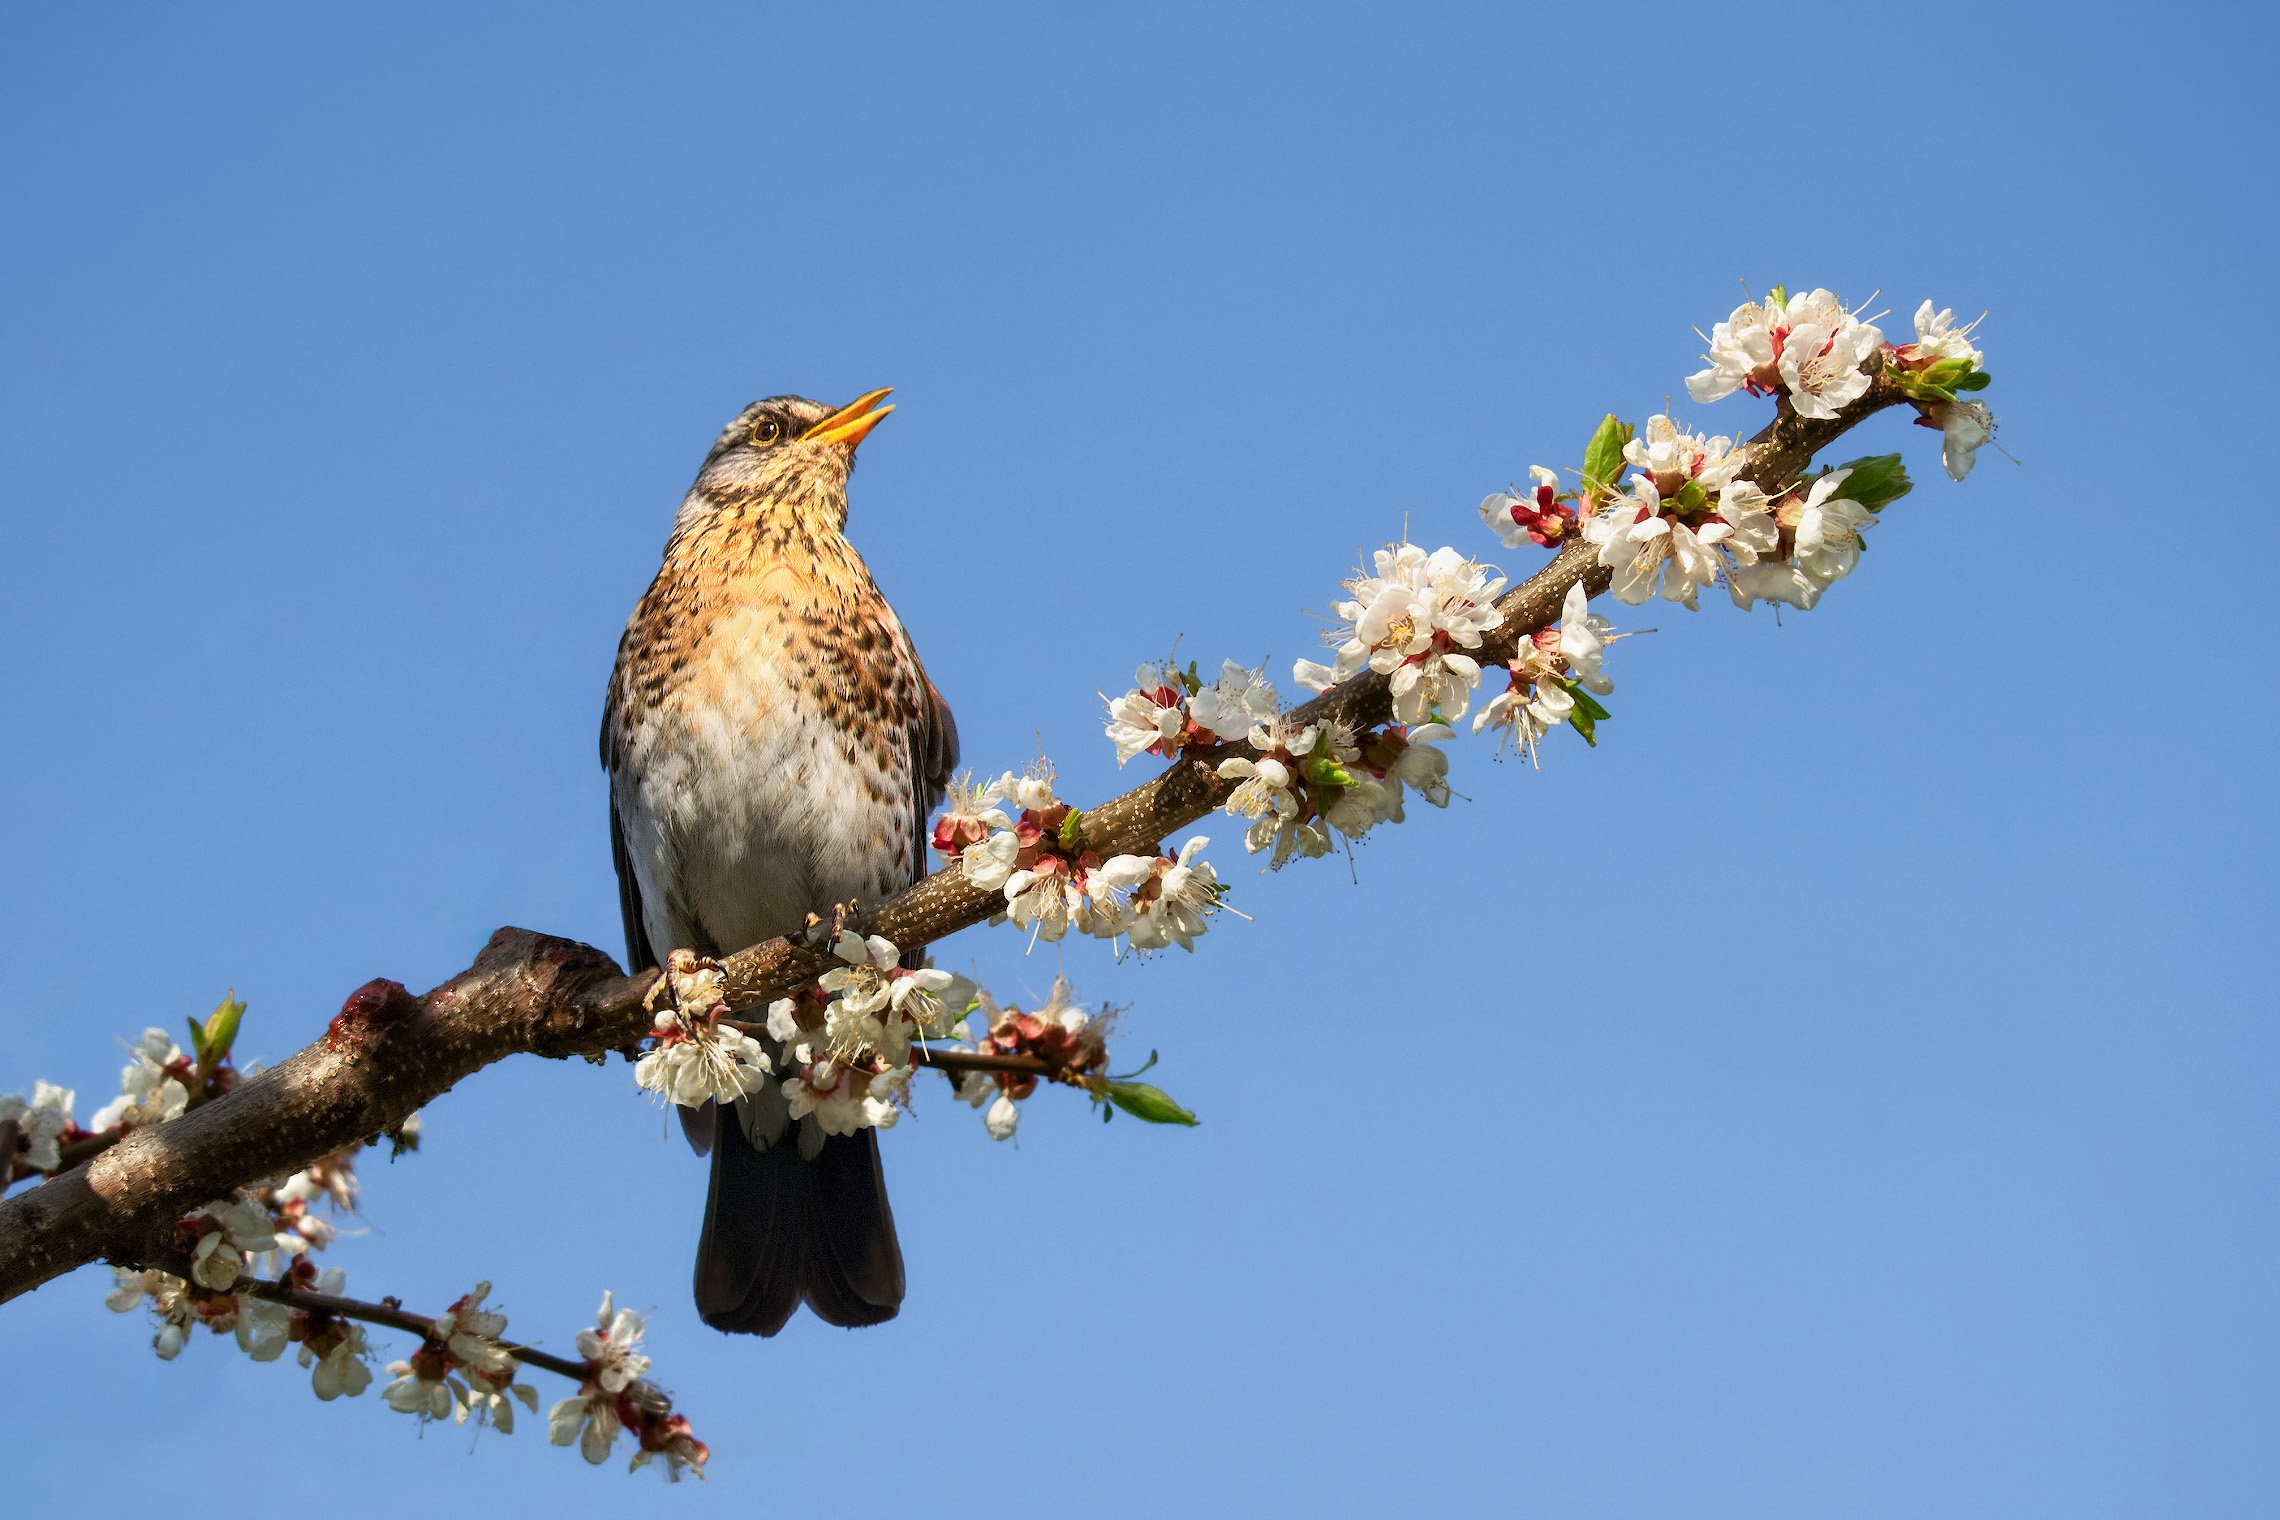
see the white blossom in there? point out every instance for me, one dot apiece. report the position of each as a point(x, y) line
point(170, 1305)
point(230, 1231)
point(471, 1333)
point(1822, 355)
point(261, 1327)
point(783, 1020)
point(1032, 790)
point(1539, 517)
point(989, 862)
point(1964, 426)
point(339, 1371)
point(1168, 899)
point(1361, 805)
point(1422, 766)
point(614, 1347)
point(1267, 788)
point(876, 1008)
point(1050, 898)
point(1806, 345)
point(1937, 336)
point(1748, 512)
point(147, 1093)
point(1412, 620)
point(334, 1354)
point(489, 1404)
point(859, 982)
point(1002, 1118)
point(1583, 640)
point(697, 1061)
point(413, 1392)
point(1645, 548)
point(587, 1419)
point(1538, 699)
point(1229, 706)
point(969, 814)
point(1670, 456)
point(839, 1100)
point(1772, 580)
point(1528, 711)
point(1741, 352)
point(40, 1122)
point(1152, 716)
point(131, 1286)
point(1828, 530)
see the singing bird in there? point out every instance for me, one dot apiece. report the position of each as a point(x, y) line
point(774, 748)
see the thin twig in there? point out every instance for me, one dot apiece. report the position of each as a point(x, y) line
point(395, 1317)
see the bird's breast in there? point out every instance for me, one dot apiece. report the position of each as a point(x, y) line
point(764, 771)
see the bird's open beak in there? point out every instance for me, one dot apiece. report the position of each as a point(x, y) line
point(852, 422)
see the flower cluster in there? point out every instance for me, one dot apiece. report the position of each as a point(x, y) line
point(179, 1305)
point(1071, 1043)
point(1169, 710)
point(154, 1086)
point(1554, 677)
point(694, 1058)
point(1932, 371)
point(1688, 518)
point(332, 1346)
point(612, 1399)
point(1413, 620)
point(1039, 859)
point(1303, 782)
point(43, 1123)
point(1166, 899)
point(1808, 348)
point(1055, 883)
point(461, 1369)
point(1685, 517)
point(848, 1040)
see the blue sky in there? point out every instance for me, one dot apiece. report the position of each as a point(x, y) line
point(1848, 1090)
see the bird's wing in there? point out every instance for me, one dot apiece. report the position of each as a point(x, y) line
point(934, 755)
point(639, 957)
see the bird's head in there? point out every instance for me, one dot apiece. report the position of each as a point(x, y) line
point(792, 452)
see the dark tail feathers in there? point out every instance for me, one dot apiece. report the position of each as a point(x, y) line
point(779, 1230)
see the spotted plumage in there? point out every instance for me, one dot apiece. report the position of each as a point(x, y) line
point(774, 748)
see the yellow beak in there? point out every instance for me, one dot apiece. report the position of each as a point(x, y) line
point(852, 422)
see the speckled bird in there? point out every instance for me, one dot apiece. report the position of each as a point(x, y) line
point(774, 748)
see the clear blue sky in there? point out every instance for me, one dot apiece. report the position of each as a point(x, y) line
point(1848, 1091)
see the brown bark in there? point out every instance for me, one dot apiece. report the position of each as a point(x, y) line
point(388, 1052)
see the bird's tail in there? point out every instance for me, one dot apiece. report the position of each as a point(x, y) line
point(781, 1228)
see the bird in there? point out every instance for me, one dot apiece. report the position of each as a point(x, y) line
point(774, 748)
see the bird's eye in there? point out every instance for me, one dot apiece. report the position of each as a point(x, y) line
point(767, 431)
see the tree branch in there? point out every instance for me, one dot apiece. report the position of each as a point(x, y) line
point(388, 1053)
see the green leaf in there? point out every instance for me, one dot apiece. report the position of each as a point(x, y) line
point(221, 1031)
point(1779, 295)
point(1977, 380)
point(1584, 717)
point(1151, 1104)
point(197, 1041)
point(1603, 456)
point(1072, 829)
point(1130, 1074)
point(1692, 498)
point(1189, 679)
point(1876, 481)
point(1322, 772)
